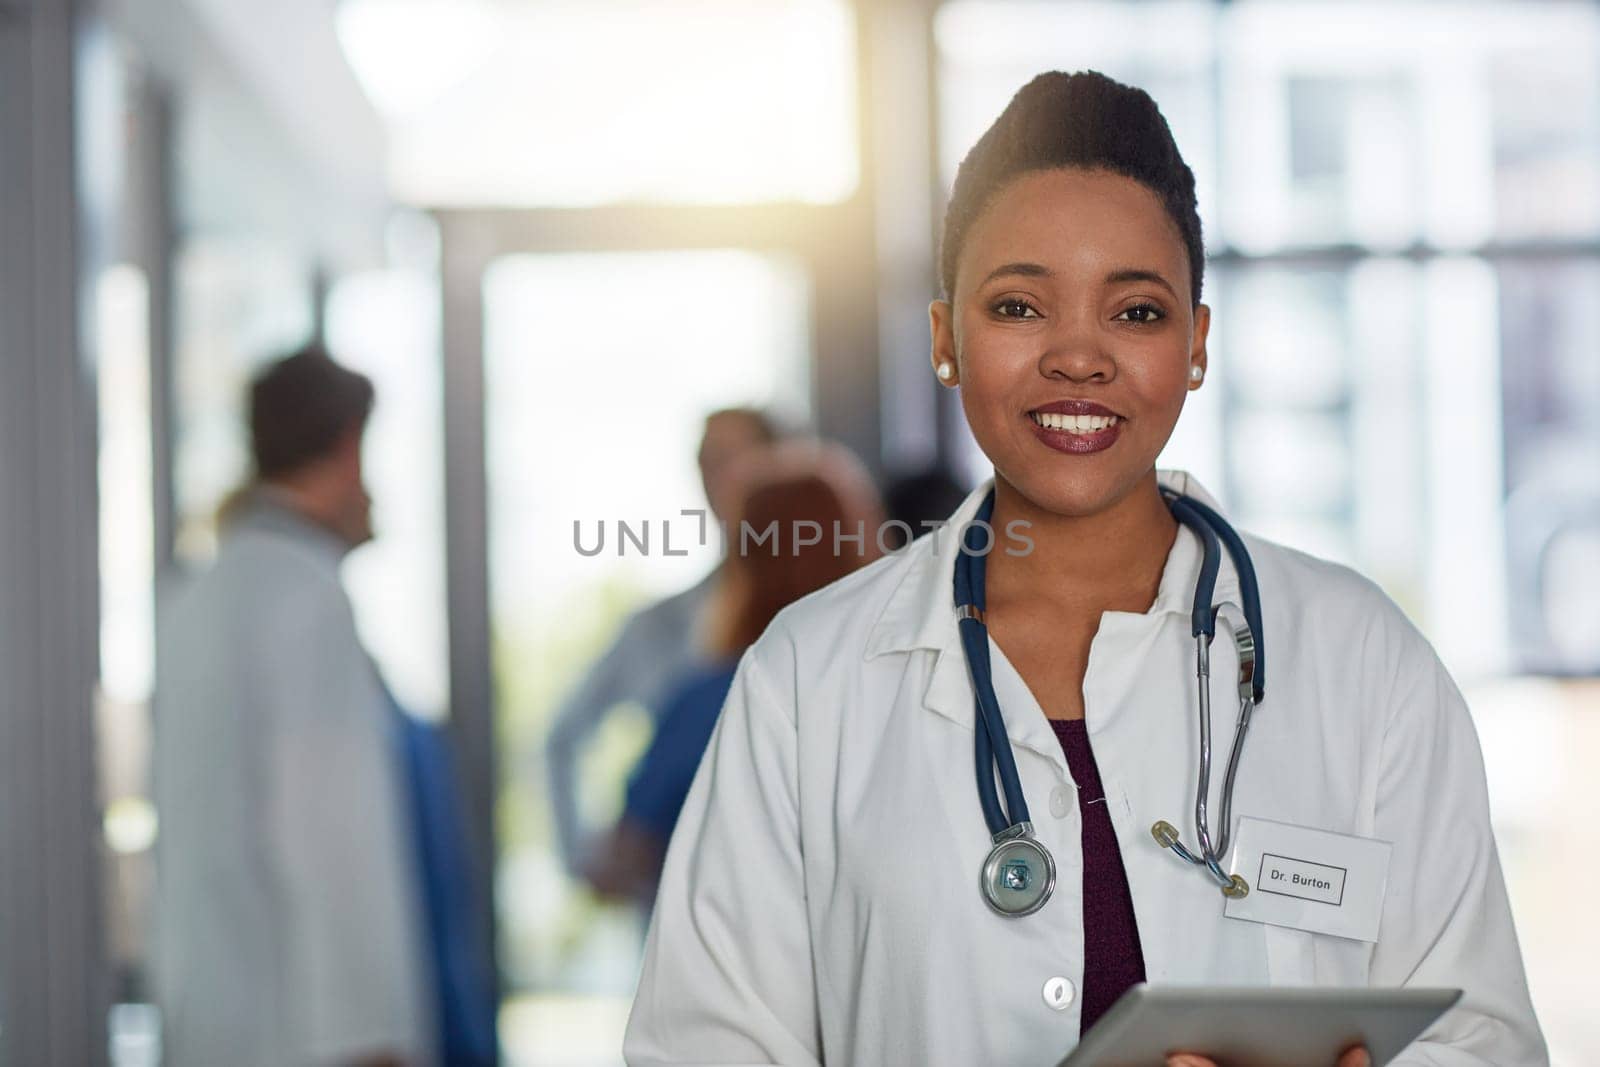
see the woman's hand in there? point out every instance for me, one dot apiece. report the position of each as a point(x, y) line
point(1356, 1057)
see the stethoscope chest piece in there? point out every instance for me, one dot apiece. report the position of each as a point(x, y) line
point(1019, 874)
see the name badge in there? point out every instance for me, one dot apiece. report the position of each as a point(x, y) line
point(1309, 879)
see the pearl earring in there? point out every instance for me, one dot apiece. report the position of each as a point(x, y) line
point(946, 372)
point(1197, 373)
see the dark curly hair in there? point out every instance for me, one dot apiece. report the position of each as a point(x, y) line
point(1081, 120)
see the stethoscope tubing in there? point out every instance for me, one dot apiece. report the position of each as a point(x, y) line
point(991, 744)
point(992, 751)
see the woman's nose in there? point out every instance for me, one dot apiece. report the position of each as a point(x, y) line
point(1075, 351)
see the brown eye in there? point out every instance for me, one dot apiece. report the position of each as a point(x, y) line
point(1012, 308)
point(1142, 313)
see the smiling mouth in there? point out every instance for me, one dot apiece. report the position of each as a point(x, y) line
point(1074, 424)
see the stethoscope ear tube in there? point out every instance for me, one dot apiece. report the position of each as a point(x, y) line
point(1202, 621)
point(1249, 590)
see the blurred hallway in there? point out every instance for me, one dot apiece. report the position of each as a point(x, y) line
point(555, 234)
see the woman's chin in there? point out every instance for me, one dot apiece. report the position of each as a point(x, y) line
point(1074, 494)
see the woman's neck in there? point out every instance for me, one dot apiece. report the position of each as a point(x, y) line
point(1111, 560)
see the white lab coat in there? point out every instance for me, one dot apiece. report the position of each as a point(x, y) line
point(820, 899)
point(288, 921)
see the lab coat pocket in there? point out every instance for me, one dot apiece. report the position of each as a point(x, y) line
point(1291, 958)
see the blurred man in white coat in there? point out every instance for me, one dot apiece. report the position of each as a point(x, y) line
point(288, 916)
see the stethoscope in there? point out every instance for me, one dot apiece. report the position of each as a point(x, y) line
point(1019, 873)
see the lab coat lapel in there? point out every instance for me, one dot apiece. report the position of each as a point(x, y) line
point(920, 616)
point(949, 689)
point(950, 693)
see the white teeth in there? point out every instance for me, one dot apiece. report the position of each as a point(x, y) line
point(1073, 423)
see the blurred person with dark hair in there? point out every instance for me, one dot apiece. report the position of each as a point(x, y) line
point(289, 925)
point(782, 545)
point(656, 643)
point(916, 499)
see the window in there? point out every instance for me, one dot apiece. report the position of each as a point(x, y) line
point(581, 102)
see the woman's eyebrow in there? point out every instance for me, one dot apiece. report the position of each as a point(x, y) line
point(1116, 277)
point(1135, 274)
point(1027, 270)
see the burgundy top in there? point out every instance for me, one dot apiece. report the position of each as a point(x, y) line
point(1112, 958)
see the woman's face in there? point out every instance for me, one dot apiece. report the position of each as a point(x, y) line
point(1072, 331)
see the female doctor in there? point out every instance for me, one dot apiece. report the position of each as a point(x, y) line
point(831, 892)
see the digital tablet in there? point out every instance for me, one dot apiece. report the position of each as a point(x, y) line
point(1258, 1027)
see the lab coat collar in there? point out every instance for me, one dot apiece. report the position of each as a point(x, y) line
point(1176, 592)
point(920, 613)
point(921, 610)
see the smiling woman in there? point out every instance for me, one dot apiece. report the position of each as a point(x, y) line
point(1085, 283)
point(818, 901)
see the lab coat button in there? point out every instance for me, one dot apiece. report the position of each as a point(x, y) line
point(1060, 801)
point(1059, 994)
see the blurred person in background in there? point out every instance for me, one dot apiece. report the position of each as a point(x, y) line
point(792, 486)
point(288, 921)
point(920, 500)
point(655, 644)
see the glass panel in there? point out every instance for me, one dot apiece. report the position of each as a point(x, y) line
point(1363, 424)
point(600, 369)
point(1547, 158)
point(127, 549)
point(584, 102)
point(116, 301)
point(385, 324)
point(1285, 376)
point(1385, 124)
point(1551, 391)
point(240, 302)
point(127, 650)
point(1315, 151)
point(1321, 376)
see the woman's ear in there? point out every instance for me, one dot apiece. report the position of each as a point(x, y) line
point(1197, 345)
point(942, 330)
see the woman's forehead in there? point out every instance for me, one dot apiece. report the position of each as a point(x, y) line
point(1071, 219)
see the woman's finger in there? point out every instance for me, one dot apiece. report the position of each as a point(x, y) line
point(1356, 1057)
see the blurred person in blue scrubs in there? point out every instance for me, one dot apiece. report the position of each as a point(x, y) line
point(289, 925)
point(656, 643)
point(805, 491)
